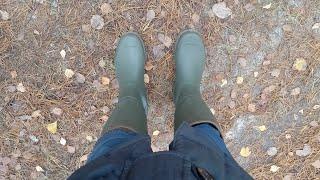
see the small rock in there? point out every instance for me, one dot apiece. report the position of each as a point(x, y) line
point(105, 109)
point(63, 54)
point(63, 141)
point(223, 82)
point(275, 72)
point(102, 63)
point(71, 149)
point(295, 91)
point(34, 138)
point(148, 66)
point(150, 15)
point(221, 10)
point(305, 151)
point(4, 15)
point(104, 118)
point(166, 40)
point(105, 8)
point(288, 136)
point(97, 22)
point(80, 78)
point(56, 111)
point(316, 164)
point(21, 88)
point(84, 158)
point(255, 74)
point(212, 111)
point(36, 32)
point(39, 169)
point(89, 138)
point(272, 151)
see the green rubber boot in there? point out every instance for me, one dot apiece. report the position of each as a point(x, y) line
point(130, 112)
point(190, 60)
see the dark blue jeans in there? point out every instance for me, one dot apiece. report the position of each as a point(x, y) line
point(116, 138)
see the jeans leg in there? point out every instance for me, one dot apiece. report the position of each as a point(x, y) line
point(111, 140)
point(211, 132)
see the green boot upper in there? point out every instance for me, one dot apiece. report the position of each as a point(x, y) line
point(130, 112)
point(190, 61)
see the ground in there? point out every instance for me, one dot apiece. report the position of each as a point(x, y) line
point(261, 80)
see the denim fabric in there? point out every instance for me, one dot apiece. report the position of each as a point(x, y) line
point(115, 138)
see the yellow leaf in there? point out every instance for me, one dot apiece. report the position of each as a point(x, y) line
point(245, 152)
point(52, 127)
point(239, 80)
point(300, 64)
point(262, 128)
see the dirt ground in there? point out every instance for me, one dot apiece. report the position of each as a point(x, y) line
point(261, 80)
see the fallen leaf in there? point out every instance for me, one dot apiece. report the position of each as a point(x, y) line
point(80, 78)
point(68, 73)
point(316, 164)
point(63, 141)
point(317, 106)
point(239, 80)
point(104, 118)
point(255, 74)
point(105, 8)
point(249, 7)
point(274, 168)
point(146, 78)
point(221, 10)
point(195, 18)
point(245, 152)
point(300, 64)
point(316, 26)
point(102, 63)
point(287, 28)
point(212, 111)
point(252, 108)
point(156, 133)
point(295, 91)
point(105, 80)
point(56, 111)
point(150, 15)
point(36, 114)
point(63, 53)
point(148, 66)
point(268, 6)
point(314, 124)
point(89, 138)
point(39, 169)
point(71, 149)
point(83, 158)
point(223, 82)
point(272, 151)
point(262, 128)
point(52, 127)
point(288, 136)
point(86, 28)
point(97, 22)
point(4, 15)
point(13, 74)
point(11, 88)
point(305, 151)
point(275, 72)
point(36, 32)
point(21, 88)
point(166, 40)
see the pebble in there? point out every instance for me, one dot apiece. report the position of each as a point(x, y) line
point(272, 151)
point(97, 22)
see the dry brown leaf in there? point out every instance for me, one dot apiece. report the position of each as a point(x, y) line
point(146, 78)
point(105, 80)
